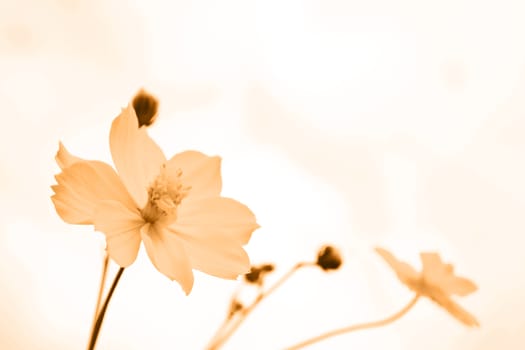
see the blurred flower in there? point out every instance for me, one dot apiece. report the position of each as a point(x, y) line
point(437, 282)
point(146, 107)
point(173, 206)
point(257, 273)
point(329, 258)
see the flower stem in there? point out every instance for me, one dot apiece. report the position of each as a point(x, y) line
point(227, 320)
point(100, 289)
point(357, 327)
point(218, 340)
point(102, 313)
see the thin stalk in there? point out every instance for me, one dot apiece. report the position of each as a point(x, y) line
point(100, 290)
point(227, 320)
point(102, 313)
point(356, 327)
point(234, 323)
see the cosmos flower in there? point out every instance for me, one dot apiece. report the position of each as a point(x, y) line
point(171, 205)
point(436, 281)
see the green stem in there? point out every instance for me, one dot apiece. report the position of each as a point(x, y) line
point(356, 327)
point(102, 313)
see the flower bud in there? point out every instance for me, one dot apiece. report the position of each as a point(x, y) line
point(257, 273)
point(146, 107)
point(235, 307)
point(329, 258)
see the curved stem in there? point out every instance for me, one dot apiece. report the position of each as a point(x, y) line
point(356, 327)
point(102, 313)
point(218, 340)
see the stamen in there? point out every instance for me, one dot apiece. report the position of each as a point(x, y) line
point(164, 195)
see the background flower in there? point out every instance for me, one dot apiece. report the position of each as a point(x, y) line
point(436, 281)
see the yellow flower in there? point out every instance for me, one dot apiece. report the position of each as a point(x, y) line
point(436, 281)
point(173, 206)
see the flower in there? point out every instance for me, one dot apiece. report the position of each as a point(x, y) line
point(436, 281)
point(173, 206)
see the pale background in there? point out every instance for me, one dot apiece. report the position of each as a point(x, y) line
point(361, 123)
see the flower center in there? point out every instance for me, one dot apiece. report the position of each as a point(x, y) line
point(164, 195)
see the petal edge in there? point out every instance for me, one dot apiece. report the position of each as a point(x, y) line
point(167, 254)
point(82, 185)
point(136, 156)
point(121, 226)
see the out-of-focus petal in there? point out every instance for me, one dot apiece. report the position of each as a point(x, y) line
point(450, 284)
point(122, 229)
point(404, 272)
point(201, 172)
point(137, 157)
point(82, 185)
point(203, 218)
point(433, 266)
point(64, 158)
point(167, 253)
point(458, 285)
point(441, 275)
point(215, 252)
point(454, 309)
point(434, 271)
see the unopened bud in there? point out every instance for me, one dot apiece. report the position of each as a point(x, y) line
point(257, 273)
point(235, 307)
point(146, 107)
point(329, 258)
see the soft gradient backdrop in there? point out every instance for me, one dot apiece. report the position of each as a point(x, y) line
point(359, 123)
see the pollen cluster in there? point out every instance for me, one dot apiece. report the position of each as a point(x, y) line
point(164, 195)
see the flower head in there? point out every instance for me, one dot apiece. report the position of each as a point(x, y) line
point(436, 281)
point(171, 205)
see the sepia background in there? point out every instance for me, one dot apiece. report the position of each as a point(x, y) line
point(359, 123)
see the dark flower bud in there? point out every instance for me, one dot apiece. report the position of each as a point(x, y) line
point(257, 273)
point(146, 107)
point(267, 268)
point(253, 275)
point(235, 307)
point(329, 258)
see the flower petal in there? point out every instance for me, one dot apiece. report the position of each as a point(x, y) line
point(432, 265)
point(201, 172)
point(439, 274)
point(215, 253)
point(404, 272)
point(122, 229)
point(82, 185)
point(136, 156)
point(167, 253)
point(435, 272)
point(458, 285)
point(64, 158)
point(454, 309)
point(203, 218)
